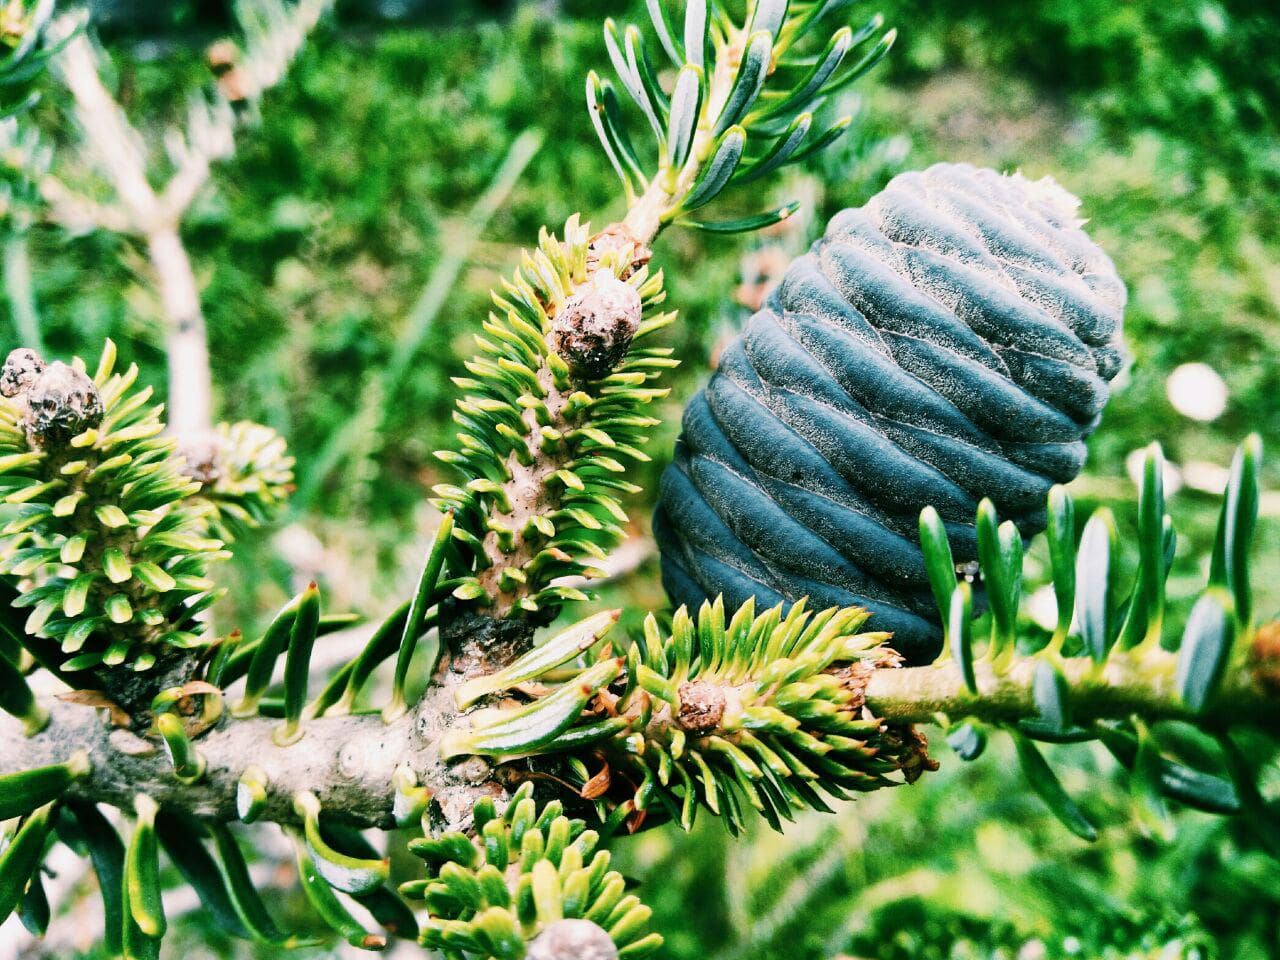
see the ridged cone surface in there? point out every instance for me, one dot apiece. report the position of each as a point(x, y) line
point(953, 339)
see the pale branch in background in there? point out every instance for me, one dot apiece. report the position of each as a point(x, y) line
point(726, 710)
point(274, 34)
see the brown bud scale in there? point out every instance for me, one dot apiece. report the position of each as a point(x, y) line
point(594, 328)
point(61, 403)
point(702, 706)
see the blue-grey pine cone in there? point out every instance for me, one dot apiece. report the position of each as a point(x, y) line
point(951, 340)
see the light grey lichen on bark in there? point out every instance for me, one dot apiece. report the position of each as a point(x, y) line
point(572, 940)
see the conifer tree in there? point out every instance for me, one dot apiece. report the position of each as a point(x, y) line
point(986, 324)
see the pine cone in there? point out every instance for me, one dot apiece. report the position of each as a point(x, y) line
point(951, 340)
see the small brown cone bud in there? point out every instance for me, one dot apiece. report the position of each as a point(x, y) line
point(61, 403)
point(701, 706)
point(593, 329)
point(21, 368)
point(203, 454)
point(572, 940)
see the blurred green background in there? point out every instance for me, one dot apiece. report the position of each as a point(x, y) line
point(340, 221)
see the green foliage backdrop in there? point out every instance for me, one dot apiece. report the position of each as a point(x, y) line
point(323, 232)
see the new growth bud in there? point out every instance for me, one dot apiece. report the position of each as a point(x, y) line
point(594, 328)
point(60, 400)
point(701, 706)
point(203, 456)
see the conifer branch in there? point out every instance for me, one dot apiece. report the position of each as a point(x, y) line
point(103, 542)
point(733, 711)
point(1131, 683)
point(555, 404)
point(351, 762)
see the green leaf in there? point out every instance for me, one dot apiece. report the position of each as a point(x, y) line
point(744, 225)
point(1147, 783)
point(656, 102)
point(297, 665)
point(388, 909)
point(182, 837)
point(385, 641)
point(1189, 786)
point(1045, 783)
point(262, 662)
point(960, 633)
point(1000, 557)
point(824, 139)
point(869, 60)
point(938, 563)
point(1096, 574)
point(1198, 790)
point(188, 764)
point(135, 943)
point(1146, 607)
point(17, 700)
point(1051, 693)
point(1259, 818)
point(967, 739)
point(116, 565)
point(251, 793)
point(636, 73)
point(616, 129)
point(1060, 533)
point(756, 59)
point(662, 27)
point(326, 904)
point(715, 173)
point(808, 88)
point(142, 872)
point(240, 888)
point(106, 853)
point(778, 154)
point(523, 730)
point(769, 15)
point(695, 32)
point(560, 649)
point(823, 8)
point(21, 859)
point(1206, 649)
point(33, 910)
point(422, 599)
point(1236, 526)
point(24, 791)
point(1043, 732)
point(686, 102)
point(342, 872)
point(596, 111)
